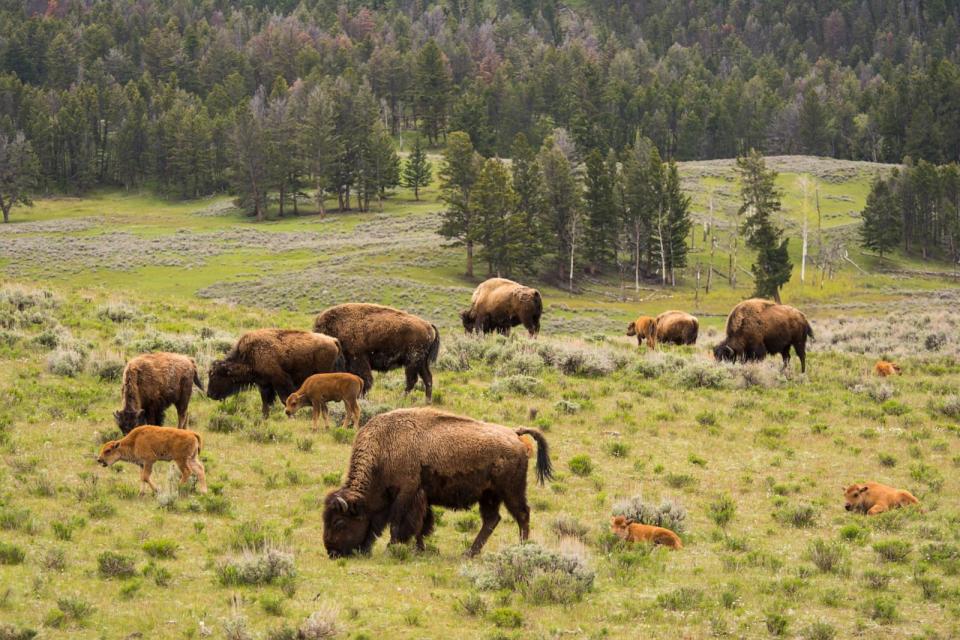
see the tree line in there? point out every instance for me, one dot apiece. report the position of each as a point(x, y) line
point(109, 93)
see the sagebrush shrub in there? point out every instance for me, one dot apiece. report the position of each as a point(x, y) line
point(893, 550)
point(519, 384)
point(66, 361)
point(256, 567)
point(828, 556)
point(321, 625)
point(538, 573)
point(11, 554)
point(111, 564)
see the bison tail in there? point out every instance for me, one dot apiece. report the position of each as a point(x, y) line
point(340, 362)
point(537, 303)
point(809, 332)
point(196, 379)
point(435, 345)
point(199, 442)
point(544, 466)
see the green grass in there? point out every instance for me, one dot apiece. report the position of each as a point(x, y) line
point(756, 458)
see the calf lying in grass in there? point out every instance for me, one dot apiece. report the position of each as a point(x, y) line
point(884, 369)
point(634, 532)
point(321, 388)
point(146, 445)
point(872, 498)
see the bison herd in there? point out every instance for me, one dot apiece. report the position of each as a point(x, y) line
point(405, 461)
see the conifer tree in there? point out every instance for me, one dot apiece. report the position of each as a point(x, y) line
point(418, 171)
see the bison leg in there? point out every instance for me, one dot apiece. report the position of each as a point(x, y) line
point(184, 470)
point(801, 350)
point(411, 373)
point(407, 516)
point(352, 412)
point(186, 390)
point(426, 529)
point(490, 513)
point(267, 396)
point(427, 378)
point(517, 506)
point(326, 416)
point(361, 367)
point(785, 354)
point(197, 467)
point(145, 477)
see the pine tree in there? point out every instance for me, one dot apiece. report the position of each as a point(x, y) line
point(600, 224)
point(433, 83)
point(882, 227)
point(678, 223)
point(418, 171)
point(18, 172)
point(642, 181)
point(528, 185)
point(461, 165)
point(318, 141)
point(761, 200)
point(248, 144)
point(562, 209)
point(494, 204)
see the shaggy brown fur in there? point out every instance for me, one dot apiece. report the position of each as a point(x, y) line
point(872, 498)
point(757, 328)
point(146, 445)
point(151, 383)
point(884, 369)
point(321, 388)
point(276, 361)
point(407, 460)
point(499, 305)
point(634, 532)
point(677, 327)
point(645, 328)
point(381, 338)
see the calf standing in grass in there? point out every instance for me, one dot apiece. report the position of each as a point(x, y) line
point(151, 383)
point(634, 532)
point(321, 388)
point(146, 445)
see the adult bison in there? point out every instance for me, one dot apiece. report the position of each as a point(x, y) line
point(152, 382)
point(499, 304)
point(378, 338)
point(405, 461)
point(757, 328)
point(276, 361)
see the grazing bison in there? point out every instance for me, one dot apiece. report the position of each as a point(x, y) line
point(883, 369)
point(407, 460)
point(677, 327)
point(872, 498)
point(321, 388)
point(499, 304)
point(635, 532)
point(645, 328)
point(381, 338)
point(148, 444)
point(277, 361)
point(757, 328)
point(151, 383)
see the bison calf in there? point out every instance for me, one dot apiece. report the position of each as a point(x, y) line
point(872, 498)
point(634, 532)
point(321, 388)
point(148, 444)
point(151, 383)
point(884, 369)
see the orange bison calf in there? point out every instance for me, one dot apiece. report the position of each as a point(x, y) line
point(146, 445)
point(321, 388)
point(884, 369)
point(872, 498)
point(634, 532)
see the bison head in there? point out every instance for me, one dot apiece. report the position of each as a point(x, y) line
point(632, 329)
point(723, 351)
point(346, 525)
point(109, 453)
point(469, 320)
point(127, 419)
point(855, 497)
point(227, 378)
point(295, 401)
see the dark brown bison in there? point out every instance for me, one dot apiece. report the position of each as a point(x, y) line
point(757, 328)
point(151, 383)
point(677, 327)
point(378, 338)
point(277, 361)
point(405, 461)
point(499, 304)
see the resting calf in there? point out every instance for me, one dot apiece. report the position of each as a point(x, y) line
point(634, 532)
point(321, 388)
point(146, 445)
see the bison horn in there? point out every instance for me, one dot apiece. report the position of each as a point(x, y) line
point(343, 504)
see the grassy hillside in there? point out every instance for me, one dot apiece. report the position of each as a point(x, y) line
point(763, 453)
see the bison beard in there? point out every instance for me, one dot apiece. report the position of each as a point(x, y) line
point(405, 461)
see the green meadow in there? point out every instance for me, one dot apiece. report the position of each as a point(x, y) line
point(749, 460)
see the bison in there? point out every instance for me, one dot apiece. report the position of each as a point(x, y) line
point(634, 532)
point(146, 445)
point(405, 461)
point(321, 388)
point(151, 383)
point(757, 328)
point(381, 338)
point(883, 369)
point(276, 361)
point(499, 305)
point(872, 498)
point(645, 328)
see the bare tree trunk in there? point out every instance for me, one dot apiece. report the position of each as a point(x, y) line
point(469, 258)
point(636, 264)
point(283, 196)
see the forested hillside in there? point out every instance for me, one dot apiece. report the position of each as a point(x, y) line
point(130, 92)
